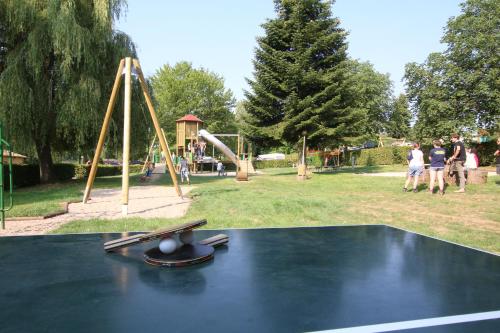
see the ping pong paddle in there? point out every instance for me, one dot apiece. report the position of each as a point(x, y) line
point(187, 254)
point(141, 238)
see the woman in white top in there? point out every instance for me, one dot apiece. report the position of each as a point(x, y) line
point(415, 167)
point(470, 160)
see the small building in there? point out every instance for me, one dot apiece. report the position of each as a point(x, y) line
point(16, 158)
point(187, 130)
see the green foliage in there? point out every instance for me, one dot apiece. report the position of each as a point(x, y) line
point(399, 118)
point(23, 175)
point(64, 171)
point(182, 89)
point(315, 160)
point(373, 93)
point(286, 163)
point(457, 90)
point(59, 61)
point(381, 156)
point(303, 83)
point(29, 174)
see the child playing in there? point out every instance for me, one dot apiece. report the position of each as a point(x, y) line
point(415, 167)
point(437, 158)
point(184, 170)
point(220, 169)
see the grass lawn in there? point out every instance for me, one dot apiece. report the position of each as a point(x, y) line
point(277, 199)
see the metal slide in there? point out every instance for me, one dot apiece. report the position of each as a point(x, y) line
point(217, 143)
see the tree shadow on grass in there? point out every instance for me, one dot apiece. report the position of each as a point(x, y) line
point(355, 170)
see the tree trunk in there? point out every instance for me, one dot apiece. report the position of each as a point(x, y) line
point(44, 153)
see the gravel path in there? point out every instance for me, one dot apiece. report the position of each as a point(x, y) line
point(144, 201)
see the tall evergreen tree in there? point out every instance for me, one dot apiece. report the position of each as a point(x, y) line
point(302, 80)
point(59, 63)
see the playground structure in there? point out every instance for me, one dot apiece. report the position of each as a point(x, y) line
point(3, 209)
point(126, 66)
point(189, 134)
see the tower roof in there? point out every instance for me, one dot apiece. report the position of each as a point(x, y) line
point(190, 117)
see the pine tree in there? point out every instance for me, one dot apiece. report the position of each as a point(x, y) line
point(302, 85)
point(58, 60)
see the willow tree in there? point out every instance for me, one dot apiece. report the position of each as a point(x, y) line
point(58, 61)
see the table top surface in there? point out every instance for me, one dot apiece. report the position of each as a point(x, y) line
point(264, 280)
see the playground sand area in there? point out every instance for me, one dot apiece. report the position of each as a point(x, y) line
point(152, 201)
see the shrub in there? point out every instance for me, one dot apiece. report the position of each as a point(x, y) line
point(23, 175)
point(64, 171)
point(286, 163)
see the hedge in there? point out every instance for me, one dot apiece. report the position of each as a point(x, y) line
point(287, 162)
point(380, 156)
point(103, 170)
point(29, 174)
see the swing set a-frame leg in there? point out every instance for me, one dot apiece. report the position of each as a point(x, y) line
point(104, 130)
point(159, 134)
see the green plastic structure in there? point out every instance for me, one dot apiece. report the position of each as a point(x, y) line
point(2, 204)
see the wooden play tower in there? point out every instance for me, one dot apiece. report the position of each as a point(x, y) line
point(187, 131)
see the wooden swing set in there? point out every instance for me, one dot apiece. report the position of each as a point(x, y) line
point(127, 64)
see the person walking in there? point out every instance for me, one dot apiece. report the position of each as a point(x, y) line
point(184, 170)
point(437, 157)
point(457, 161)
point(220, 169)
point(415, 167)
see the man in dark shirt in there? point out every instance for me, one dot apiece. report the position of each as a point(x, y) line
point(497, 155)
point(457, 160)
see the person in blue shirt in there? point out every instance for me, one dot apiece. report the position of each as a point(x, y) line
point(437, 158)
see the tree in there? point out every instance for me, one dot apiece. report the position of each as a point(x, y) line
point(433, 107)
point(458, 90)
point(399, 118)
point(473, 54)
point(60, 60)
point(181, 89)
point(374, 93)
point(302, 82)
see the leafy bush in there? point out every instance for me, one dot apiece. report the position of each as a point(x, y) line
point(23, 175)
point(286, 163)
point(64, 171)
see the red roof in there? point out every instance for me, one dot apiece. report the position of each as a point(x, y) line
point(190, 117)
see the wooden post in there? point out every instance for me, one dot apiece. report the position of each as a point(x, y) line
point(149, 153)
point(126, 134)
point(104, 130)
point(162, 140)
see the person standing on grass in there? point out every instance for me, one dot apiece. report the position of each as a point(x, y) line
point(457, 160)
point(184, 170)
point(497, 156)
point(415, 167)
point(437, 158)
point(470, 160)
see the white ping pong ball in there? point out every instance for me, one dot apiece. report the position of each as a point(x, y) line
point(186, 237)
point(168, 245)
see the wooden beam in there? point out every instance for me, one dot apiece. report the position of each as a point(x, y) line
point(163, 141)
point(104, 130)
point(126, 134)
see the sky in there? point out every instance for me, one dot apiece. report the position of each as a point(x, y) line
point(220, 35)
